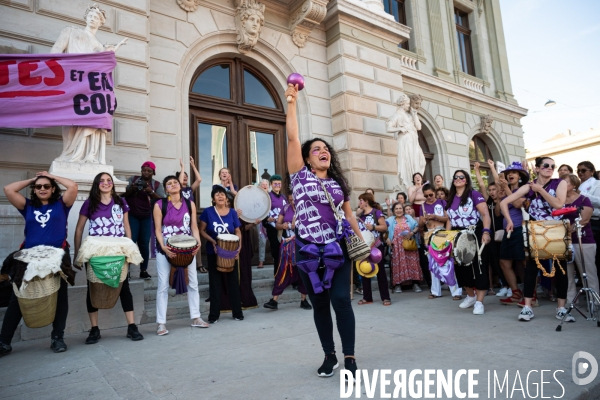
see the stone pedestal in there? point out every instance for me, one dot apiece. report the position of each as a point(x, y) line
point(78, 170)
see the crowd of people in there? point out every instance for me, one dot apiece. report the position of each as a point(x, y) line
point(311, 253)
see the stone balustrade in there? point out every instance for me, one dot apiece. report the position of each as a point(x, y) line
point(472, 85)
point(408, 59)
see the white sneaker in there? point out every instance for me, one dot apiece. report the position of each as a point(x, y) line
point(509, 293)
point(417, 288)
point(560, 313)
point(397, 289)
point(468, 302)
point(478, 308)
point(502, 292)
point(526, 314)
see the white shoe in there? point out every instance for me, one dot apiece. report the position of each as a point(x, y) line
point(397, 289)
point(417, 288)
point(526, 314)
point(468, 302)
point(509, 293)
point(478, 308)
point(502, 292)
point(560, 313)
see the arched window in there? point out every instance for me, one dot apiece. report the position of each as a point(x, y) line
point(479, 152)
point(238, 122)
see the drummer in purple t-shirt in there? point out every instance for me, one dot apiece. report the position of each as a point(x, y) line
point(466, 207)
point(277, 204)
point(545, 194)
point(314, 166)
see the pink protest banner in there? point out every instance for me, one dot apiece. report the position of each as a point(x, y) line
point(43, 90)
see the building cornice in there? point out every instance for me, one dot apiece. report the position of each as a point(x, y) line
point(565, 145)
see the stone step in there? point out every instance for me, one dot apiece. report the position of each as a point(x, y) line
point(257, 285)
point(179, 309)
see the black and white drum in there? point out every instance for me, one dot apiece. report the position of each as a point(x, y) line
point(254, 202)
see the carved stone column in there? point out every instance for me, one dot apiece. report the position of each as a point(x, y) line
point(310, 14)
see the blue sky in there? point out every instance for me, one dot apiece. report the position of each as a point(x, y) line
point(554, 53)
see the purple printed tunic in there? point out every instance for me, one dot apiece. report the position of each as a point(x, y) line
point(587, 236)
point(315, 219)
point(288, 216)
point(465, 215)
point(277, 203)
point(176, 222)
point(370, 218)
point(436, 208)
point(539, 209)
point(107, 219)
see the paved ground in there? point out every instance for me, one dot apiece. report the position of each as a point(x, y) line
point(275, 354)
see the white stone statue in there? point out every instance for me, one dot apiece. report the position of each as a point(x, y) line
point(249, 20)
point(404, 124)
point(83, 143)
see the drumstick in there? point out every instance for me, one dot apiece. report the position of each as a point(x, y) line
point(481, 249)
point(508, 235)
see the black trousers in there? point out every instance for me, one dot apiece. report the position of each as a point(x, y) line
point(597, 239)
point(215, 283)
point(493, 252)
point(125, 297)
point(382, 282)
point(274, 245)
point(424, 263)
point(475, 275)
point(338, 297)
point(13, 315)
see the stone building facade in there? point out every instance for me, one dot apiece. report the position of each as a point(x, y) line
point(356, 56)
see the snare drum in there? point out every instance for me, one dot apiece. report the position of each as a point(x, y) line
point(549, 239)
point(227, 246)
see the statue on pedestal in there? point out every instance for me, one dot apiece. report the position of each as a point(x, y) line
point(405, 124)
point(84, 144)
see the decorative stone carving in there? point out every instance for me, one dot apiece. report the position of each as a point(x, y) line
point(249, 20)
point(486, 124)
point(305, 18)
point(189, 5)
point(405, 124)
point(84, 144)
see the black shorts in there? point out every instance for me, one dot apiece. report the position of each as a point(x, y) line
point(513, 248)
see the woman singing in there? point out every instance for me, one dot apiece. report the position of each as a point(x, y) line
point(314, 166)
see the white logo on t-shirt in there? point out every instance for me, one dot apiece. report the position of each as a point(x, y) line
point(42, 218)
point(186, 194)
point(466, 210)
point(117, 214)
point(438, 210)
point(220, 228)
point(186, 221)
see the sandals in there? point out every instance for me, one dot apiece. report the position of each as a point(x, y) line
point(456, 298)
point(431, 296)
point(162, 330)
point(199, 323)
point(387, 303)
point(363, 301)
point(202, 270)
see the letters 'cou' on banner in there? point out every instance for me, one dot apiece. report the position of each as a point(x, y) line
point(44, 90)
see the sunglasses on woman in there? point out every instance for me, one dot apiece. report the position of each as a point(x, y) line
point(582, 170)
point(44, 186)
point(546, 166)
point(429, 195)
point(459, 178)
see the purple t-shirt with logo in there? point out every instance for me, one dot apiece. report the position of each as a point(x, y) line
point(107, 219)
point(45, 225)
point(370, 218)
point(277, 203)
point(176, 222)
point(315, 219)
point(467, 214)
point(215, 225)
point(539, 209)
point(188, 193)
point(435, 208)
point(587, 236)
point(288, 216)
point(516, 215)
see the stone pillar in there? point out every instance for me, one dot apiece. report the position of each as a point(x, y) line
point(436, 29)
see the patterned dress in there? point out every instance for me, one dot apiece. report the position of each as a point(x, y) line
point(405, 264)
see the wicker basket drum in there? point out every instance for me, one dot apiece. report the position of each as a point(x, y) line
point(102, 296)
point(37, 300)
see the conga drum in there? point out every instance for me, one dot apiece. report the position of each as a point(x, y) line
point(227, 246)
point(183, 246)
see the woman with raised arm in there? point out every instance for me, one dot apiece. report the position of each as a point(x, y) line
point(46, 213)
point(466, 207)
point(314, 168)
point(545, 195)
point(188, 191)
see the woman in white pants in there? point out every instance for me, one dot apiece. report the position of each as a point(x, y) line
point(179, 219)
point(588, 244)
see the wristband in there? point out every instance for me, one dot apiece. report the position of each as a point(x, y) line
point(488, 231)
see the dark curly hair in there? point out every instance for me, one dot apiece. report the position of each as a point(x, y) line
point(35, 201)
point(335, 171)
point(465, 195)
point(95, 194)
